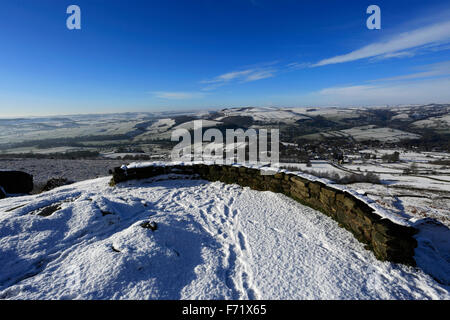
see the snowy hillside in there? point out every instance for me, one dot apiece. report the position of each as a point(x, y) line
point(266, 114)
point(213, 241)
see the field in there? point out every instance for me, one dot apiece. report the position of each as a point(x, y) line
point(421, 194)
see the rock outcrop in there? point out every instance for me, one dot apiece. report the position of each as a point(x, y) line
point(16, 181)
point(2, 193)
point(55, 183)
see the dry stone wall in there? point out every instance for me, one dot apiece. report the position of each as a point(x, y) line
point(388, 241)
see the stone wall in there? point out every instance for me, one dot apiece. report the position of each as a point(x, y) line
point(388, 240)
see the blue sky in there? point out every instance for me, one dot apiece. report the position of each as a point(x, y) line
point(172, 55)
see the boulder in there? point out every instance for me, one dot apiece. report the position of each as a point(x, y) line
point(55, 183)
point(16, 181)
point(149, 225)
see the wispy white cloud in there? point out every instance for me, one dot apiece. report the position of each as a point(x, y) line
point(230, 76)
point(401, 54)
point(177, 95)
point(431, 70)
point(423, 91)
point(297, 65)
point(254, 73)
point(247, 75)
point(399, 45)
point(259, 75)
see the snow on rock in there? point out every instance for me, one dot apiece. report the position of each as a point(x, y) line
point(213, 241)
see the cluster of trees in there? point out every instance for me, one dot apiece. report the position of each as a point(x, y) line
point(443, 162)
point(430, 140)
point(135, 157)
point(393, 157)
point(129, 150)
point(368, 177)
point(412, 169)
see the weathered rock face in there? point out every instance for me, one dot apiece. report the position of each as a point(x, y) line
point(387, 240)
point(55, 183)
point(16, 181)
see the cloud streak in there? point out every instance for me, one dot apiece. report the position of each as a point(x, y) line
point(429, 36)
point(431, 70)
point(241, 76)
point(423, 91)
point(177, 95)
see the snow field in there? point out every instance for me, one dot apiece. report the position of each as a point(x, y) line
point(214, 241)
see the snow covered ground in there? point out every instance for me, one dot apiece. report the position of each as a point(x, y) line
point(366, 133)
point(266, 114)
point(441, 122)
point(213, 241)
point(322, 166)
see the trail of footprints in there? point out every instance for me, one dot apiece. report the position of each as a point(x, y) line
point(223, 222)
